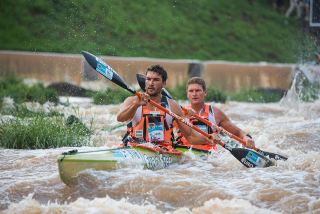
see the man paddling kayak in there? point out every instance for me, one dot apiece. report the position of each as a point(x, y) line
point(149, 124)
point(196, 93)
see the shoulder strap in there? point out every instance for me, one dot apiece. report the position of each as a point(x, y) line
point(168, 118)
point(211, 109)
point(164, 101)
point(211, 114)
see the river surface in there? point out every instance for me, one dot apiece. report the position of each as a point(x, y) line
point(30, 183)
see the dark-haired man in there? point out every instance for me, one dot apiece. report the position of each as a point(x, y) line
point(196, 93)
point(149, 124)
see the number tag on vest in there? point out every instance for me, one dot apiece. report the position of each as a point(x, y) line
point(154, 113)
point(155, 132)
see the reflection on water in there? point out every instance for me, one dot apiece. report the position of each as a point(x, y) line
point(30, 182)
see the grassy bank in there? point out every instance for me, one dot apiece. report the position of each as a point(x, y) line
point(13, 87)
point(220, 30)
point(41, 133)
point(27, 128)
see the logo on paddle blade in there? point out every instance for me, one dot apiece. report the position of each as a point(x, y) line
point(104, 69)
point(255, 159)
point(228, 147)
point(247, 163)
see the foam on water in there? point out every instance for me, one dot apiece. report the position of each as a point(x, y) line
point(110, 206)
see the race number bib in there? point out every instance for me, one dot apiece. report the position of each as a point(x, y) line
point(155, 132)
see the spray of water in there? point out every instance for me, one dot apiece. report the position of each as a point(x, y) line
point(305, 86)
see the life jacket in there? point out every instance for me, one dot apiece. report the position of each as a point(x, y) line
point(207, 114)
point(154, 126)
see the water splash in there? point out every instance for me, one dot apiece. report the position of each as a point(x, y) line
point(305, 86)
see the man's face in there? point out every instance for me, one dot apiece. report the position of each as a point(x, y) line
point(196, 94)
point(154, 83)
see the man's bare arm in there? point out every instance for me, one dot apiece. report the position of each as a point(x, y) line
point(223, 121)
point(128, 109)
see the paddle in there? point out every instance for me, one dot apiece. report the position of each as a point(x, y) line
point(247, 157)
point(141, 81)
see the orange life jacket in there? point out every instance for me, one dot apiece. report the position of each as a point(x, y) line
point(154, 126)
point(207, 114)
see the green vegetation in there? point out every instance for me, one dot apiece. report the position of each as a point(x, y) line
point(41, 133)
point(21, 111)
point(110, 96)
point(215, 95)
point(29, 129)
point(310, 93)
point(20, 92)
point(256, 96)
point(221, 30)
point(179, 92)
point(74, 123)
point(248, 95)
point(306, 90)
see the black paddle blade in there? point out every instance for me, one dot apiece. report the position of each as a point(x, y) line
point(105, 70)
point(142, 83)
point(230, 142)
point(250, 158)
point(166, 93)
point(91, 59)
point(272, 155)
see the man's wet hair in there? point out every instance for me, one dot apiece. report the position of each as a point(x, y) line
point(159, 70)
point(199, 81)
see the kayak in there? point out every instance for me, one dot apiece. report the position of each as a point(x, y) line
point(146, 156)
point(73, 162)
